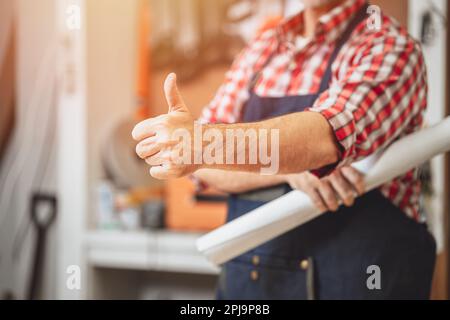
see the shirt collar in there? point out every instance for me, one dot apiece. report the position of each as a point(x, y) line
point(330, 25)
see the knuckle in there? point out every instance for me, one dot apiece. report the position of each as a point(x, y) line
point(161, 117)
point(332, 178)
point(309, 191)
point(348, 169)
point(345, 169)
point(316, 185)
point(164, 120)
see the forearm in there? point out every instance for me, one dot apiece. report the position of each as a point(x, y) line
point(174, 146)
point(306, 142)
point(237, 182)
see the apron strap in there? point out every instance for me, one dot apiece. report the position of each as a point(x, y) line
point(360, 16)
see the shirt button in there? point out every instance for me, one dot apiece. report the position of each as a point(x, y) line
point(304, 265)
point(256, 260)
point(254, 275)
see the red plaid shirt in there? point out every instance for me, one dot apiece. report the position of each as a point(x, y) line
point(377, 95)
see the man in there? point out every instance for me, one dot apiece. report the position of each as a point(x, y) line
point(338, 90)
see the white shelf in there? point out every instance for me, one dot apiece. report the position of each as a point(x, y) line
point(147, 250)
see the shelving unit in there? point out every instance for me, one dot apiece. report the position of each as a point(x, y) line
point(113, 264)
point(147, 251)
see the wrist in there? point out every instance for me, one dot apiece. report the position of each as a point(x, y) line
point(286, 178)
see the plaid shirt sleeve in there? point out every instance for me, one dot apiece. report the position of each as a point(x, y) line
point(226, 106)
point(378, 95)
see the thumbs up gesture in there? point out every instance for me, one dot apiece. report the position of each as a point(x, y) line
point(155, 136)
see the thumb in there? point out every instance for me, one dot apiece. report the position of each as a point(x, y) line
point(173, 96)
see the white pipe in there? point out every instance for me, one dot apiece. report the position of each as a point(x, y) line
point(295, 208)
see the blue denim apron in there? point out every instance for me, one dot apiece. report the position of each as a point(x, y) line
point(332, 256)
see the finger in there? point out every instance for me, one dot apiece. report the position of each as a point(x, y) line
point(159, 172)
point(328, 195)
point(343, 188)
point(316, 199)
point(151, 146)
point(173, 96)
point(143, 130)
point(306, 181)
point(356, 179)
point(158, 159)
point(155, 161)
point(166, 171)
point(147, 148)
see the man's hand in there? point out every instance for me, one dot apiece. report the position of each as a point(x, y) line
point(154, 135)
point(345, 184)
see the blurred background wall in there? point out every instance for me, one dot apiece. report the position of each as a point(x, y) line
point(28, 163)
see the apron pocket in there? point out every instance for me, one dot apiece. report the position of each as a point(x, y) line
point(243, 280)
